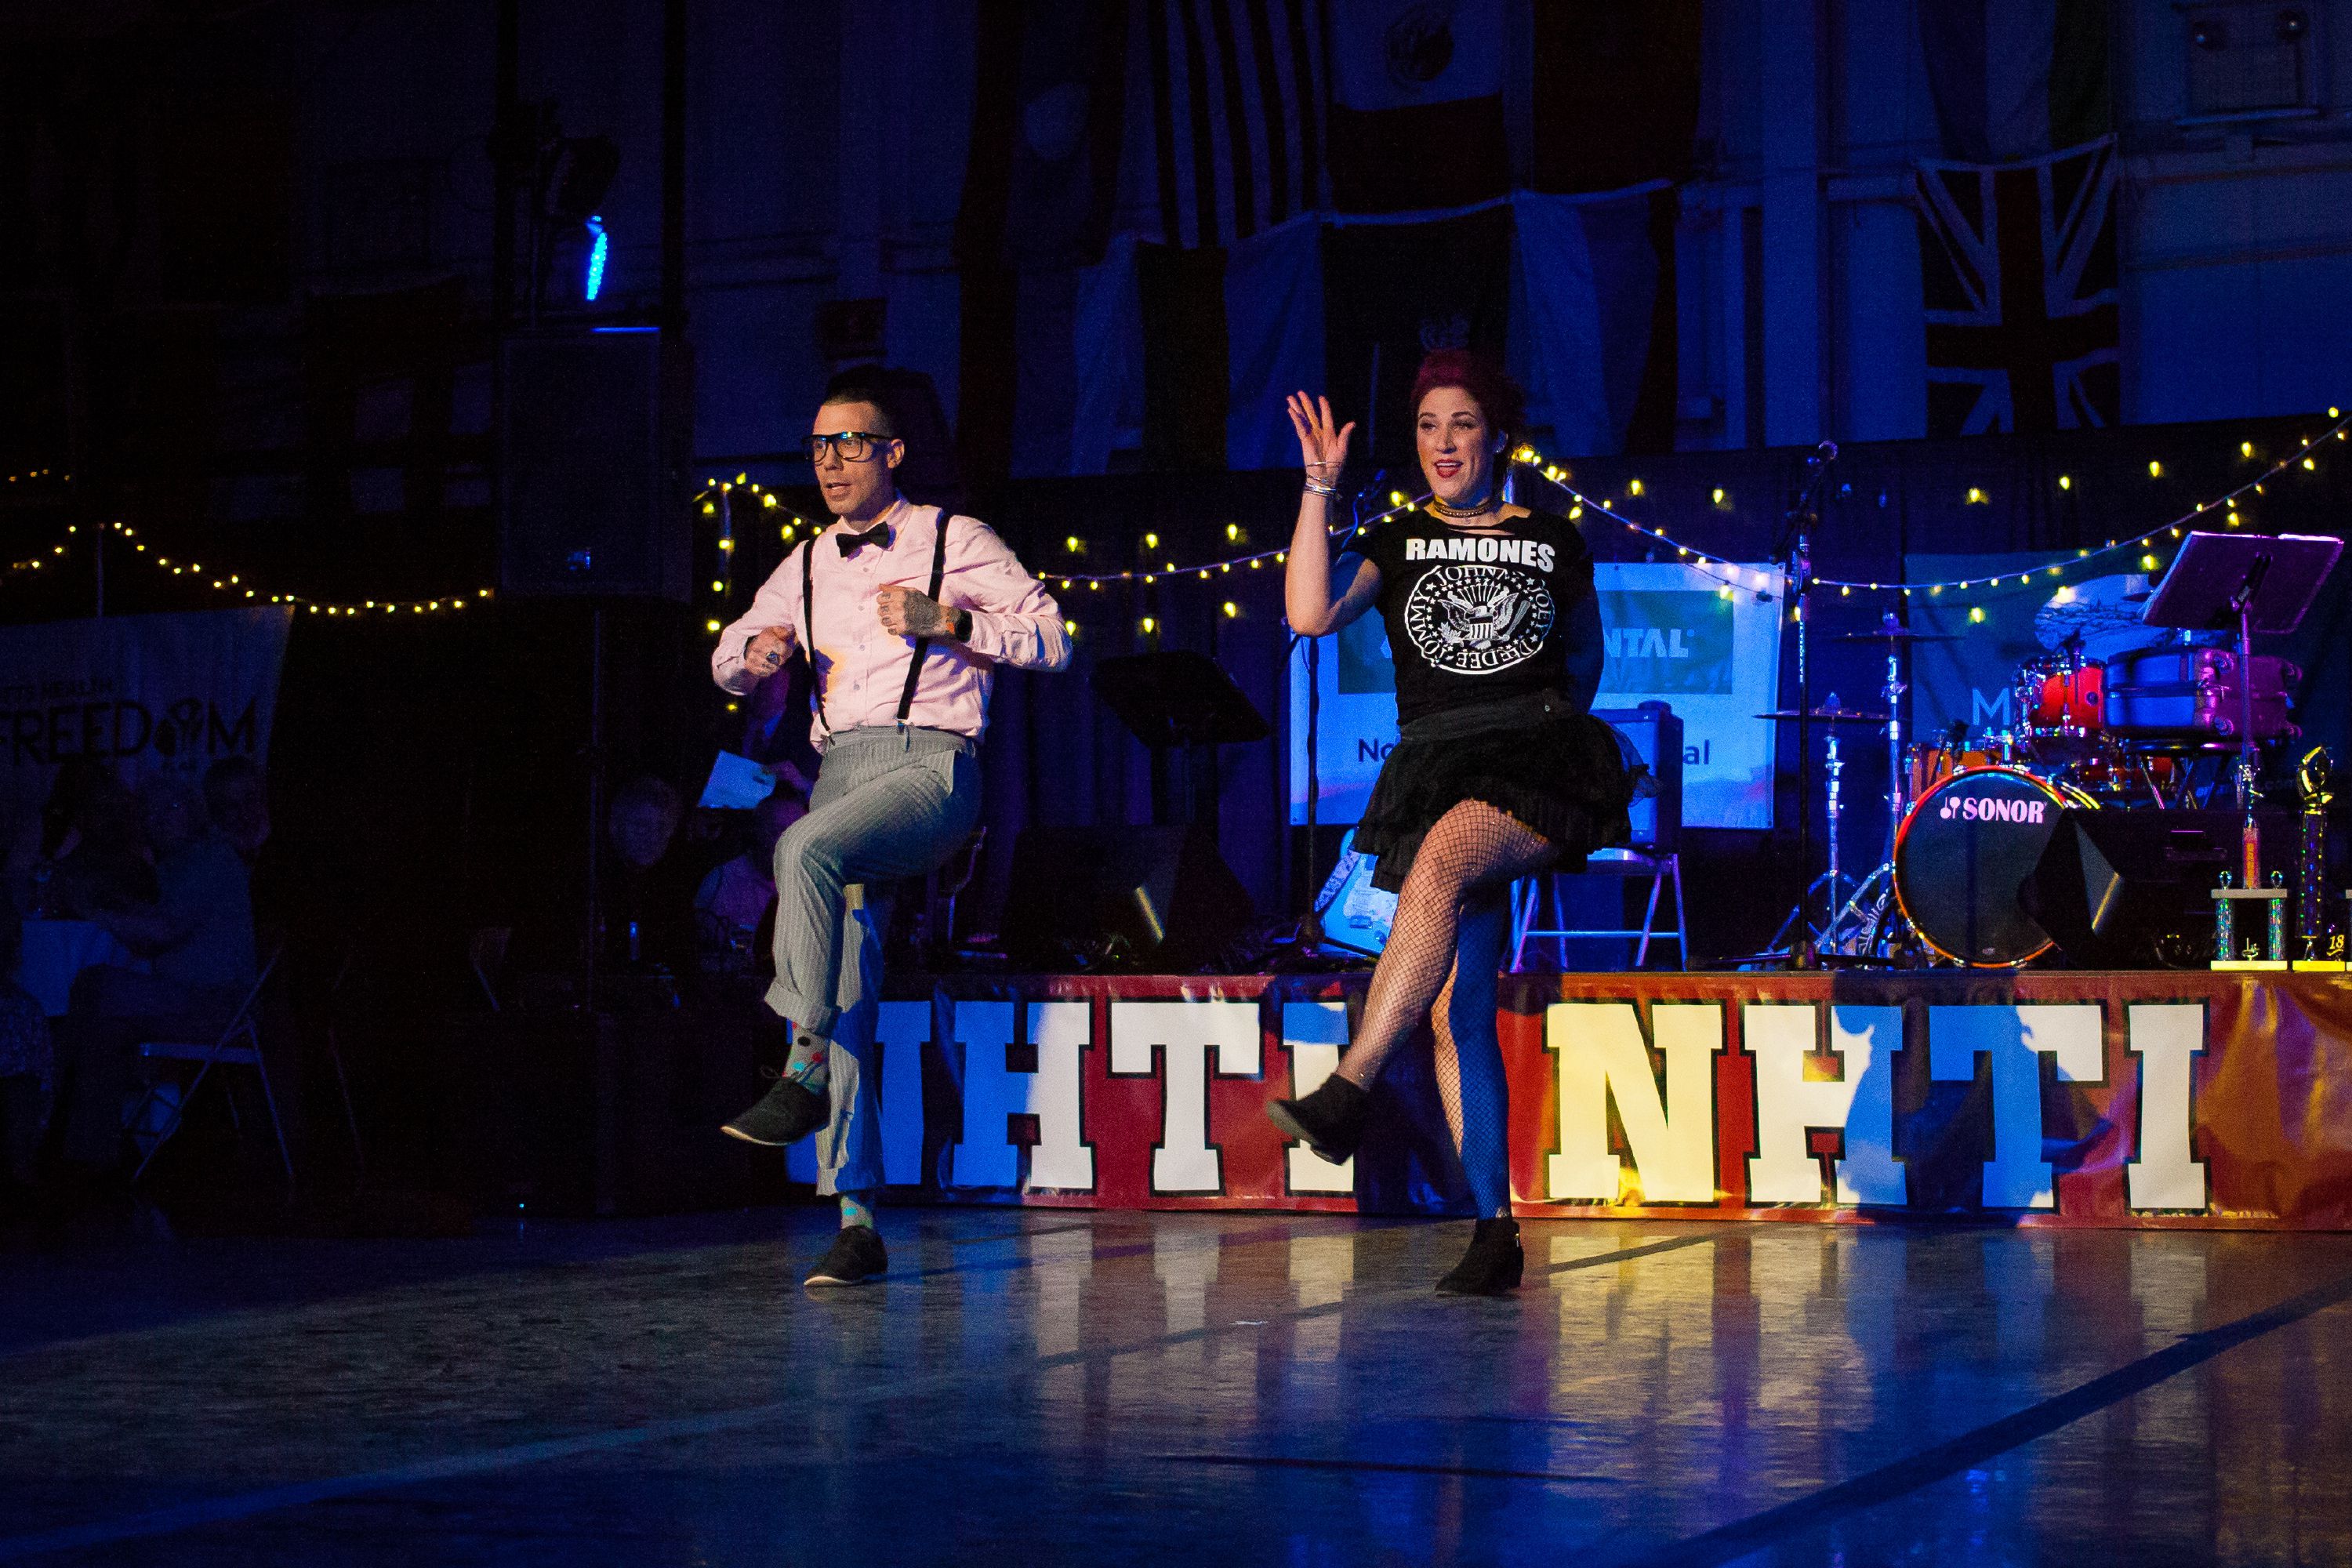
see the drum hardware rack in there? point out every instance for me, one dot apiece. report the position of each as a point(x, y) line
point(2003, 796)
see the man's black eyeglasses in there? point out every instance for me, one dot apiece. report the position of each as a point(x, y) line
point(850, 446)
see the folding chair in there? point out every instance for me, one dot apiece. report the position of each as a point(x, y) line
point(239, 1045)
point(335, 1039)
point(486, 950)
point(1529, 893)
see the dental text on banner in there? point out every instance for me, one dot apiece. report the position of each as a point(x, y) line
point(1675, 634)
point(144, 693)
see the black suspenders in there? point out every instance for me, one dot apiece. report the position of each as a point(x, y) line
point(922, 645)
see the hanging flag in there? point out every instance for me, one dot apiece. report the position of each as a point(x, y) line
point(2017, 78)
point(1274, 325)
point(1417, 105)
point(1236, 132)
point(1040, 191)
point(2017, 266)
point(1109, 343)
point(1583, 315)
point(1066, 131)
point(1394, 291)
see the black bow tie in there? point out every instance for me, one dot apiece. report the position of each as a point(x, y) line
point(879, 535)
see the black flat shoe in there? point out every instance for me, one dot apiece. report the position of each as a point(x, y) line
point(1330, 1121)
point(787, 1114)
point(1492, 1265)
point(856, 1256)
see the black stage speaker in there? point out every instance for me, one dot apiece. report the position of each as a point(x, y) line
point(592, 465)
point(1152, 899)
point(2126, 889)
point(1657, 733)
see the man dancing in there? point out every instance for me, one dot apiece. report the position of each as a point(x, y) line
point(905, 613)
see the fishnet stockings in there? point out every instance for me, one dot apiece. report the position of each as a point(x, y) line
point(1451, 922)
point(1469, 1058)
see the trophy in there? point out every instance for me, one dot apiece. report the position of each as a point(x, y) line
point(2253, 936)
point(2314, 948)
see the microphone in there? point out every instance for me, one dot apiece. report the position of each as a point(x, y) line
point(1825, 453)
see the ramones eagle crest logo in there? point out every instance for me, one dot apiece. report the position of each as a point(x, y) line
point(1475, 619)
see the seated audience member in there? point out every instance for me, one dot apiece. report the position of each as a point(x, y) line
point(734, 898)
point(647, 898)
point(197, 940)
point(237, 796)
point(85, 837)
point(28, 1065)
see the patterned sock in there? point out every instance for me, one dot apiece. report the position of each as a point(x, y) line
point(856, 1208)
point(806, 1065)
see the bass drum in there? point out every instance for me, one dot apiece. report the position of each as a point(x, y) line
point(1961, 855)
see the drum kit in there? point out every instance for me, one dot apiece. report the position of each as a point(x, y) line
point(1970, 813)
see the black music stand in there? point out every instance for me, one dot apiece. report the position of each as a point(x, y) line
point(2247, 583)
point(1176, 697)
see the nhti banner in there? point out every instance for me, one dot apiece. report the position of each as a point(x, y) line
point(1675, 634)
point(145, 693)
point(2162, 1097)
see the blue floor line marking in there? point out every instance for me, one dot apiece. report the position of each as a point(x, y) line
point(1742, 1538)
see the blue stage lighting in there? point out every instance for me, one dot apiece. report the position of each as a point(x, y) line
point(598, 244)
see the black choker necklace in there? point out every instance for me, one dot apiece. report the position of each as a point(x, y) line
point(1440, 508)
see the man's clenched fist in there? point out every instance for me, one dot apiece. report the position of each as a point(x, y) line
point(768, 651)
point(910, 613)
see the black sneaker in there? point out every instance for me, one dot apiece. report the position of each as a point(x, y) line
point(856, 1256)
point(1492, 1265)
point(787, 1114)
point(1330, 1121)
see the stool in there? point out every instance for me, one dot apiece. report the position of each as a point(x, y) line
point(1528, 892)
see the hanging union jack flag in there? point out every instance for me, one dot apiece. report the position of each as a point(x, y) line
point(2017, 266)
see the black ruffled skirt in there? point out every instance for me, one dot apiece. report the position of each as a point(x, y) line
point(1561, 773)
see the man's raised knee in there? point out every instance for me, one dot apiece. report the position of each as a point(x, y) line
point(806, 850)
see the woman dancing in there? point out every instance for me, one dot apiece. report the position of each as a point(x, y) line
point(1501, 771)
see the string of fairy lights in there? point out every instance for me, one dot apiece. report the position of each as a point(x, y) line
point(233, 585)
point(2230, 507)
point(725, 501)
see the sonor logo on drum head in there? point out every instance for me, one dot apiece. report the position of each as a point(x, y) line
point(1971, 809)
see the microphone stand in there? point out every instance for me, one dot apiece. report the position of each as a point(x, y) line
point(1315, 695)
point(1796, 551)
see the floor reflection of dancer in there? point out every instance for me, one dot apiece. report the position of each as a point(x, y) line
point(1501, 769)
point(906, 614)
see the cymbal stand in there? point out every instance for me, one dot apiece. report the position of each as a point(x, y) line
point(1874, 905)
point(1797, 552)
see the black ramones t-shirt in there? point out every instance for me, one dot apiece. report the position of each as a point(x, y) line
point(1473, 616)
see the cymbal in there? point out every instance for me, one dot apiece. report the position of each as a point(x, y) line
point(1826, 716)
point(1892, 634)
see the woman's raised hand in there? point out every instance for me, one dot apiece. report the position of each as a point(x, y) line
point(1323, 448)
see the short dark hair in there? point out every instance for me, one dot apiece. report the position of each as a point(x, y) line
point(1499, 397)
point(648, 792)
point(860, 387)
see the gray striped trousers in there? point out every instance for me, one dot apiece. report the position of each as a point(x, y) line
point(888, 805)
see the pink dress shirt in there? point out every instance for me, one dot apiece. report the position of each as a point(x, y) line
point(860, 669)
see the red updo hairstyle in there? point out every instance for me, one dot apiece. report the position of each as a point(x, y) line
point(1499, 397)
